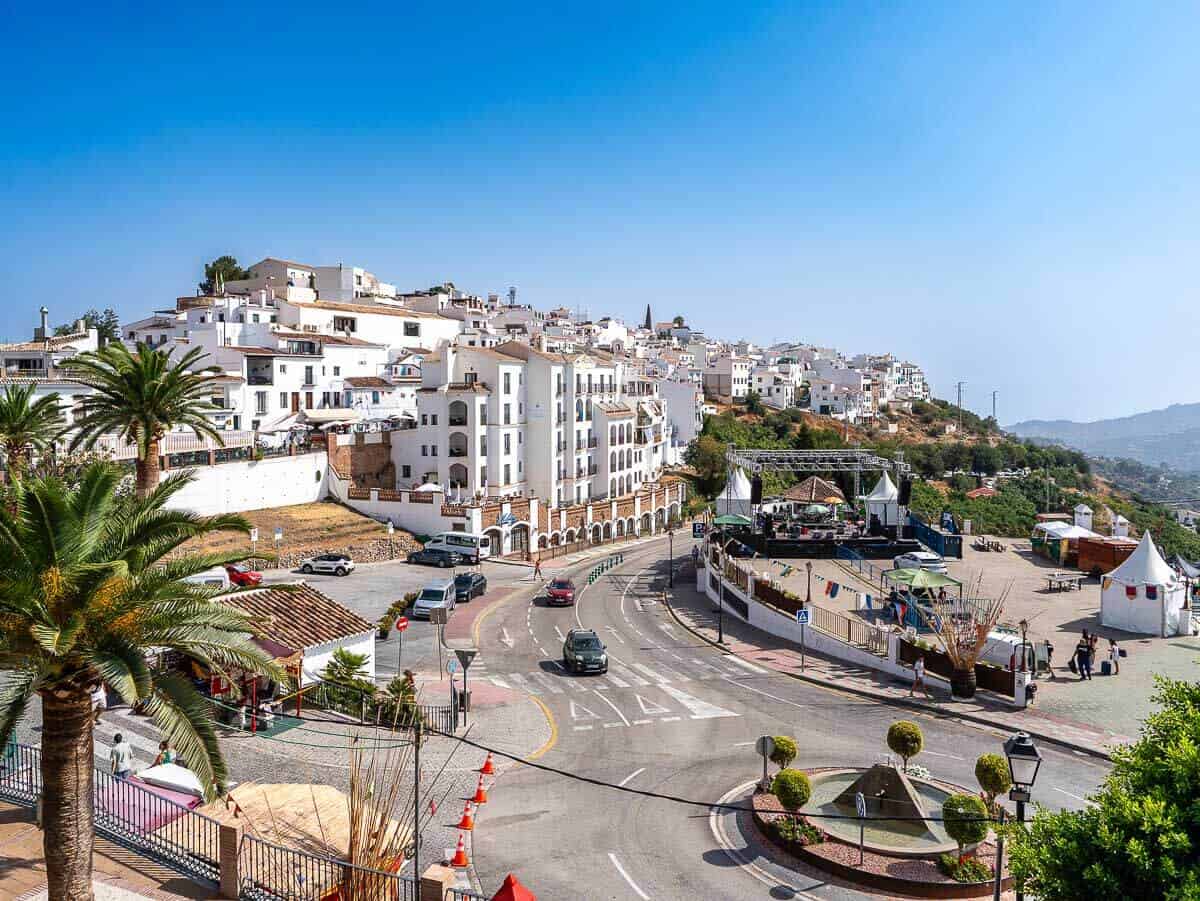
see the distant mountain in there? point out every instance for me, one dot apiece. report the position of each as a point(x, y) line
point(1169, 437)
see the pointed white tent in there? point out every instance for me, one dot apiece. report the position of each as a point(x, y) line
point(884, 502)
point(1143, 594)
point(735, 497)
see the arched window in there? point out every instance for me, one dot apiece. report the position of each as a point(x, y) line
point(612, 434)
point(612, 460)
point(579, 411)
point(612, 487)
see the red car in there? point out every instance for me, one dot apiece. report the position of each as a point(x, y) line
point(243, 576)
point(561, 591)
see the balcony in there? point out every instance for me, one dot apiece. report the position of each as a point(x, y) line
point(458, 420)
point(592, 469)
point(259, 380)
point(562, 446)
point(456, 452)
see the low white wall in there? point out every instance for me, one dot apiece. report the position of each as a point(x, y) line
point(420, 519)
point(254, 485)
point(317, 657)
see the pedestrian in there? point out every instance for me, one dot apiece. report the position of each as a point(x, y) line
point(1083, 658)
point(166, 754)
point(1114, 656)
point(537, 567)
point(1093, 646)
point(942, 595)
point(99, 701)
point(695, 555)
point(121, 757)
point(1050, 659)
point(919, 677)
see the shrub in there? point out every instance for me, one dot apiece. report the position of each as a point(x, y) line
point(966, 869)
point(785, 751)
point(965, 819)
point(792, 788)
point(991, 772)
point(904, 738)
point(797, 830)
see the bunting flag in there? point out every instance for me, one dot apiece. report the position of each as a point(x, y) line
point(867, 598)
point(1131, 591)
point(1152, 592)
point(1105, 583)
point(833, 589)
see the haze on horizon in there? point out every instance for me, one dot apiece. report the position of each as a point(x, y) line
point(1005, 196)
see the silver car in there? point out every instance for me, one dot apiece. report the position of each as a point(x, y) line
point(338, 564)
point(925, 560)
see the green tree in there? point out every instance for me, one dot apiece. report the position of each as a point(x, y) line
point(904, 738)
point(678, 320)
point(140, 397)
point(221, 270)
point(89, 581)
point(1140, 836)
point(346, 667)
point(27, 425)
point(792, 788)
point(965, 820)
point(706, 455)
point(785, 751)
point(991, 772)
point(106, 323)
point(754, 403)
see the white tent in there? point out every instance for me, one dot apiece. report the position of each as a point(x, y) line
point(735, 497)
point(1066, 530)
point(884, 502)
point(1143, 594)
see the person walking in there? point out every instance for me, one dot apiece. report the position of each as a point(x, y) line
point(1114, 656)
point(166, 754)
point(537, 567)
point(121, 757)
point(1083, 656)
point(919, 677)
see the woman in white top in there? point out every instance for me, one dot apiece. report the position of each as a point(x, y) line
point(1114, 656)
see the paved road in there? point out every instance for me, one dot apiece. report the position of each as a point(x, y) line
point(676, 716)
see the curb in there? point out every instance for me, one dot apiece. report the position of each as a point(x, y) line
point(904, 702)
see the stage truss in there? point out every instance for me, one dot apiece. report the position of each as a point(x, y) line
point(852, 460)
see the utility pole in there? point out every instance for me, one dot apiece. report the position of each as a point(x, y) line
point(960, 387)
point(994, 419)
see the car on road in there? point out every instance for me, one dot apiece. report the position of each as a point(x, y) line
point(439, 593)
point(926, 560)
point(583, 652)
point(560, 592)
point(469, 585)
point(243, 576)
point(434, 557)
point(338, 564)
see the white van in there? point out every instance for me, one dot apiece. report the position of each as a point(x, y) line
point(470, 546)
point(438, 593)
point(213, 578)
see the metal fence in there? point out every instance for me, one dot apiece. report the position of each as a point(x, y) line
point(860, 564)
point(375, 708)
point(463, 894)
point(270, 872)
point(21, 774)
point(849, 629)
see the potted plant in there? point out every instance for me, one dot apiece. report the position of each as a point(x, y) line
point(962, 625)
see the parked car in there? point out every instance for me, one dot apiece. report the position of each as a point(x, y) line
point(434, 557)
point(469, 585)
point(216, 577)
point(439, 593)
point(243, 576)
point(338, 564)
point(921, 560)
point(583, 652)
point(560, 592)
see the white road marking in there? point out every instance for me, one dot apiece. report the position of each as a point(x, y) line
point(698, 709)
point(616, 634)
point(519, 681)
point(656, 676)
point(1069, 795)
point(743, 744)
point(620, 869)
point(497, 681)
point(579, 712)
point(615, 708)
point(642, 722)
point(672, 673)
point(631, 777)
point(631, 676)
point(940, 754)
point(765, 694)
point(617, 681)
point(649, 707)
point(559, 633)
point(581, 728)
point(505, 638)
point(742, 663)
point(668, 628)
point(545, 681)
point(611, 725)
point(670, 719)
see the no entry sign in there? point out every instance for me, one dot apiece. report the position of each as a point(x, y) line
point(402, 624)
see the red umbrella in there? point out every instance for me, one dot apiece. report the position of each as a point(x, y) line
point(512, 890)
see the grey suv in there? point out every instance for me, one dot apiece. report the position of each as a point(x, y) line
point(583, 652)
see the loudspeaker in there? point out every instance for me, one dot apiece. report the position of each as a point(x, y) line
point(756, 490)
point(905, 492)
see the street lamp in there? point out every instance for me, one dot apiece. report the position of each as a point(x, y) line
point(1024, 627)
point(671, 558)
point(1023, 763)
point(808, 596)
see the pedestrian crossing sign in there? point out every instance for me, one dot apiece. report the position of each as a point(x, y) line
point(802, 617)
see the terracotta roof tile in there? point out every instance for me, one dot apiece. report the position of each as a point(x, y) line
point(297, 616)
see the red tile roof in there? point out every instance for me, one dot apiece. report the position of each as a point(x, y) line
point(297, 616)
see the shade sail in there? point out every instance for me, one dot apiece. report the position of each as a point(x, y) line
point(919, 578)
point(731, 519)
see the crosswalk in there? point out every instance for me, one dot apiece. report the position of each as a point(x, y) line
point(553, 679)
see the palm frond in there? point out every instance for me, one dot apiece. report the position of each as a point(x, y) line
point(14, 698)
point(186, 718)
point(123, 666)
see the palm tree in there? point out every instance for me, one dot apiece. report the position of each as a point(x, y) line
point(27, 425)
point(141, 396)
point(86, 587)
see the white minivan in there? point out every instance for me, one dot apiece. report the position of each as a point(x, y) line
point(438, 593)
point(470, 546)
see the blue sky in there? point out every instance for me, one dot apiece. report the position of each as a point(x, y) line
point(1006, 194)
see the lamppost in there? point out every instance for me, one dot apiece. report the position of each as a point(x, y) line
point(1024, 759)
point(808, 594)
point(1023, 625)
point(671, 558)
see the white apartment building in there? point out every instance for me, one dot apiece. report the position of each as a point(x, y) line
point(349, 284)
point(777, 386)
point(392, 325)
point(685, 409)
point(37, 362)
point(830, 398)
point(727, 379)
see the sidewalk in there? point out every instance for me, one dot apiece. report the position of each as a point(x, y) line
point(698, 614)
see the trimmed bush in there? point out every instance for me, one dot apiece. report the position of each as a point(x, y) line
point(904, 738)
point(785, 751)
point(966, 869)
point(797, 830)
point(792, 788)
point(991, 772)
point(965, 820)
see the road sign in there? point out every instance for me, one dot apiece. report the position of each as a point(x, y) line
point(452, 666)
point(437, 616)
point(803, 617)
point(465, 656)
point(765, 746)
point(697, 530)
point(390, 527)
point(278, 533)
point(860, 804)
point(254, 534)
point(401, 623)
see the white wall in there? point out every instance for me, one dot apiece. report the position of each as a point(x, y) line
point(317, 657)
point(250, 485)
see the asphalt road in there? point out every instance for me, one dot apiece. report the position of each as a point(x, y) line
point(676, 716)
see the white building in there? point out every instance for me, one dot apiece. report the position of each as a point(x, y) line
point(727, 379)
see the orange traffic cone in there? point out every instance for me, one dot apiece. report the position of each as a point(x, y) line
point(460, 854)
point(467, 822)
point(480, 793)
point(487, 769)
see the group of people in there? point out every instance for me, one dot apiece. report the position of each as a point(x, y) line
point(121, 756)
point(1086, 651)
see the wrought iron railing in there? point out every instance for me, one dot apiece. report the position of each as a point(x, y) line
point(270, 872)
point(377, 708)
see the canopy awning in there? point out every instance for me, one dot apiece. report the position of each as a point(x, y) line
point(332, 414)
point(919, 578)
point(731, 519)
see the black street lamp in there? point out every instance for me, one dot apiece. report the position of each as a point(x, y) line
point(1024, 627)
point(671, 558)
point(808, 595)
point(1024, 759)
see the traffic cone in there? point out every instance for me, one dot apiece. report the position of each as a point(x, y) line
point(459, 859)
point(467, 822)
point(487, 769)
point(480, 793)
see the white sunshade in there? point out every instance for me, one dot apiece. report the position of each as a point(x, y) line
point(1064, 530)
point(333, 414)
point(428, 487)
point(739, 486)
point(1145, 566)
